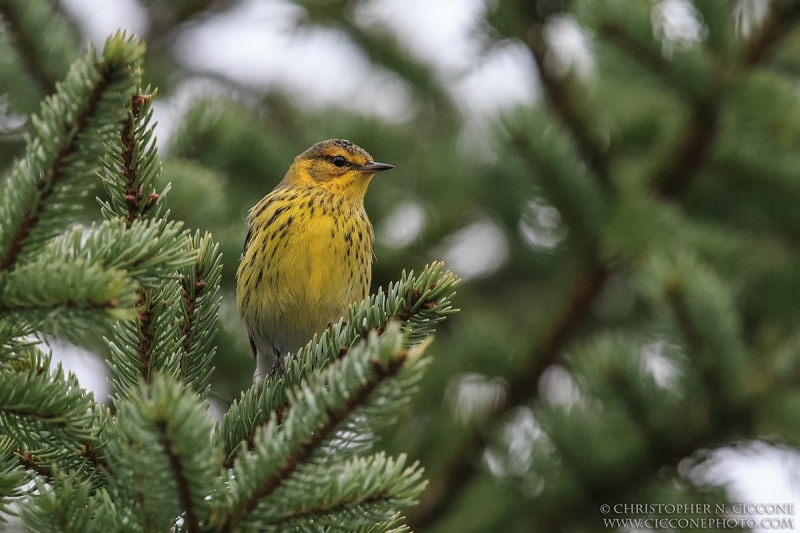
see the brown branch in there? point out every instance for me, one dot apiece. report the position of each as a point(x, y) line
point(28, 462)
point(192, 521)
point(781, 19)
point(677, 301)
point(148, 526)
point(334, 418)
point(560, 94)
point(697, 139)
point(46, 187)
point(343, 504)
point(111, 303)
point(147, 332)
point(691, 154)
point(90, 453)
point(670, 182)
point(133, 195)
point(130, 168)
point(190, 299)
point(552, 344)
point(443, 491)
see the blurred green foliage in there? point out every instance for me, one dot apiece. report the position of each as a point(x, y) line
point(649, 213)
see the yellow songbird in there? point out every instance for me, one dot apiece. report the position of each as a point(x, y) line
point(308, 251)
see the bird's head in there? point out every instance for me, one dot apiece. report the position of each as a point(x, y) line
point(337, 166)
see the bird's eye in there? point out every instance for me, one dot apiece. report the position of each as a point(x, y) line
point(339, 161)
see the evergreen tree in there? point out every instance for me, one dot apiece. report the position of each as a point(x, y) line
point(294, 454)
point(642, 316)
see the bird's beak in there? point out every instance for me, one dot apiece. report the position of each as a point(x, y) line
point(375, 167)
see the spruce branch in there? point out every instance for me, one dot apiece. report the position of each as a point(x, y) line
point(68, 504)
point(167, 457)
point(29, 462)
point(551, 154)
point(43, 189)
point(662, 436)
point(12, 478)
point(83, 276)
point(695, 143)
point(131, 167)
point(200, 301)
point(151, 343)
point(362, 491)
point(157, 254)
point(176, 321)
point(670, 181)
point(706, 319)
point(566, 100)
point(179, 471)
point(39, 286)
point(15, 341)
point(55, 424)
point(782, 18)
point(46, 60)
point(124, 166)
point(326, 420)
point(610, 365)
point(647, 52)
point(36, 401)
point(662, 462)
point(420, 302)
point(445, 488)
point(691, 152)
point(149, 251)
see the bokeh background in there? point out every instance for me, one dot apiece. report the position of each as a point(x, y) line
point(520, 130)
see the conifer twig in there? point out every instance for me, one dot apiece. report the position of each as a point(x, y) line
point(132, 194)
point(88, 451)
point(444, 490)
point(560, 94)
point(147, 336)
point(192, 522)
point(28, 462)
point(781, 19)
point(376, 377)
point(419, 302)
point(45, 188)
point(648, 58)
point(671, 180)
point(130, 166)
point(318, 437)
point(190, 300)
point(691, 153)
point(406, 315)
point(51, 155)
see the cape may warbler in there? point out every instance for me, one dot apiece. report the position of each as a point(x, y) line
point(308, 251)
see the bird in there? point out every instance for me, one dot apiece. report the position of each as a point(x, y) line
point(307, 253)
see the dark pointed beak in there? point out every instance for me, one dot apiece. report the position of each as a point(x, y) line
point(375, 167)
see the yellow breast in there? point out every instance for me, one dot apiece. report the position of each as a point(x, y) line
point(307, 257)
